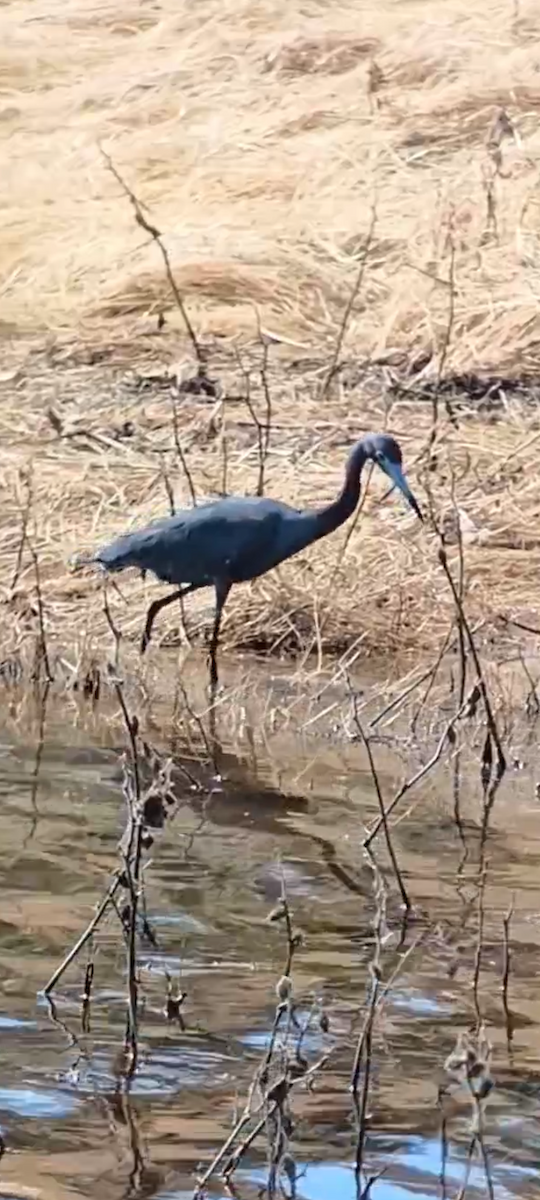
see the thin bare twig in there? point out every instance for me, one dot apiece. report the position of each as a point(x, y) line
point(506, 972)
point(444, 1152)
point(469, 1064)
point(389, 845)
point(178, 447)
point(114, 886)
point(491, 779)
point(263, 429)
point(117, 636)
point(418, 775)
point(157, 237)
point(167, 485)
point(267, 429)
point(479, 945)
point(25, 517)
point(490, 719)
point(363, 1053)
point(132, 855)
point(444, 350)
point(334, 362)
point(43, 656)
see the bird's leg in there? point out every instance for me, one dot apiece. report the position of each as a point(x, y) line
point(222, 591)
point(157, 606)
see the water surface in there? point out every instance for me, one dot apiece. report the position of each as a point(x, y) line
point(290, 813)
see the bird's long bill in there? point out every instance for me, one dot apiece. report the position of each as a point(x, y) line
point(393, 470)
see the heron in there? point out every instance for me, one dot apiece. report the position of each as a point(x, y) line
point(238, 538)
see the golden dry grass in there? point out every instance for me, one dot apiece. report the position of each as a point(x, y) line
point(379, 589)
point(262, 136)
point(250, 131)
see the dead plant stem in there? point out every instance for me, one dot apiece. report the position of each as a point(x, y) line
point(389, 845)
point(90, 929)
point(355, 290)
point(157, 237)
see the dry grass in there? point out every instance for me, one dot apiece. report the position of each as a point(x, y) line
point(252, 133)
point(261, 137)
point(379, 587)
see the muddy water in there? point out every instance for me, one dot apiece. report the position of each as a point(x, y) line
point(294, 813)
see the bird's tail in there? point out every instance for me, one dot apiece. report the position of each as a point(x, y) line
point(114, 557)
point(82, 560)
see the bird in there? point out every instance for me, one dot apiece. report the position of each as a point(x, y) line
point(238, 538)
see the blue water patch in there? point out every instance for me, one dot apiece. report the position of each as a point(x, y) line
point(320, 1181)
point(260, 1040)
point(257, 1041)
point(164, 1072)
point(329, 1181)
point(313, 1040)
point(419, 1004)
point(16, 1023)
point(27, 1102)
point(424, 1156)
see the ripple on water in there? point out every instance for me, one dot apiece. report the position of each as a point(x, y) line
point(209, 894)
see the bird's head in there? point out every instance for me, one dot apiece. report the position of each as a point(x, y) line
point(384, 450)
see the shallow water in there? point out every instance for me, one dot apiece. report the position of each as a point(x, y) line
point(290, 815)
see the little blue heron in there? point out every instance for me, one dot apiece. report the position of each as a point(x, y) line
point(240, 537)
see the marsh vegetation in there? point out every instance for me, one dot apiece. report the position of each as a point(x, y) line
point(285, 943)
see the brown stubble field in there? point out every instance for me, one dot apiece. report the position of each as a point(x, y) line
point(289, 153)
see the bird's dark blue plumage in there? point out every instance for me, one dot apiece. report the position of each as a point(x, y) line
point(240, 537)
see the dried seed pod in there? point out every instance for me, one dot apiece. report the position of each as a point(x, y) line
point(153, 811)
point(277, 913)
point(173, 1006)
point(284, 989)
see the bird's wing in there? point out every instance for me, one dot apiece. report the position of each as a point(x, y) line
point(231, 538)
point(245, 537)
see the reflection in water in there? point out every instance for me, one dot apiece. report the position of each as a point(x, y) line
point(209, 960)
point(29, 1102)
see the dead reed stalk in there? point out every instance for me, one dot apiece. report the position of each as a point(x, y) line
point(362, 1065)
point(505, 982)
point(157, 237)
point(383, 817)
point(469, 1065)
point(267, 1107)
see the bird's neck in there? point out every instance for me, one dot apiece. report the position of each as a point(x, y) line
point(325, 520)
